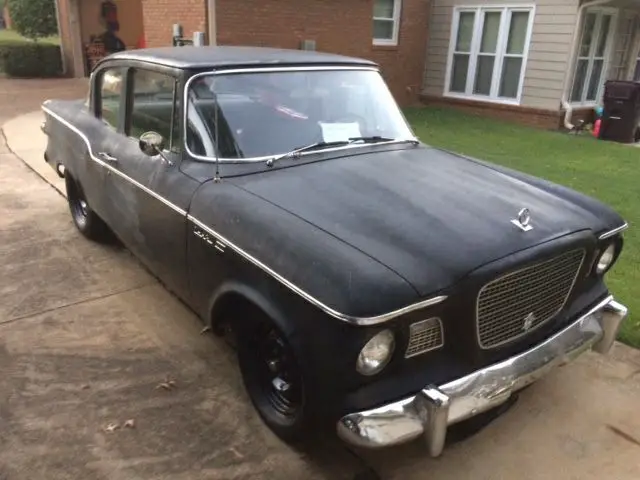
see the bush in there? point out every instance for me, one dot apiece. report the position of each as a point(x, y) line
point(33, 18)
point(28, 60)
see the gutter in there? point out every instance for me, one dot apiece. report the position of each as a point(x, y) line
point(572, 59)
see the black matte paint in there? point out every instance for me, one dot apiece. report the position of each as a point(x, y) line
point(364, 231)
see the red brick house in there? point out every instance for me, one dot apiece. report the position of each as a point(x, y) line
point(392, 33)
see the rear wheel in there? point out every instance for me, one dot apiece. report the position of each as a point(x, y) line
point(272, 376)
point(85, 219)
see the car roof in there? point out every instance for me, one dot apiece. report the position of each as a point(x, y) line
point(190, 57)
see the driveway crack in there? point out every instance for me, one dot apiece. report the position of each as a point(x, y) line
point(73, 304)
point(624, 435)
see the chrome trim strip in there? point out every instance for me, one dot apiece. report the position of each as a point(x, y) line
point(270, 70)
point(613, 232)
point(465, 397)
point(360, 321)
point(110, 167)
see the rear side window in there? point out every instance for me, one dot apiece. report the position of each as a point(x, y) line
point(111, 84)
point(154, 107)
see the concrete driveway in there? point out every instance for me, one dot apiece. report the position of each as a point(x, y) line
point(88, 337)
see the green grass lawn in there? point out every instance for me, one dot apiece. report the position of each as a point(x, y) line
point(604, 170)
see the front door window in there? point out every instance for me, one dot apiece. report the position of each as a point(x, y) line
point(154, 107)
point(590, 70)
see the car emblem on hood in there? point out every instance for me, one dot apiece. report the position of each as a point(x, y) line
point(523, 222)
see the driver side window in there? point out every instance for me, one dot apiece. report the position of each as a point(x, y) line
point(154, 106)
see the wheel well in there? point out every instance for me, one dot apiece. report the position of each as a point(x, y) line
point(227, 305)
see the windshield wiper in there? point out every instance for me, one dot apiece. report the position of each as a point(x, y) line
point(296, 151)
point(320, 145)
point(371, 139)
point(379, 139)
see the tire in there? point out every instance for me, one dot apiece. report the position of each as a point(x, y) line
point(272, 376)
point(85, 219)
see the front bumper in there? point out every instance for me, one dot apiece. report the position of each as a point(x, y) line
point(434, 408)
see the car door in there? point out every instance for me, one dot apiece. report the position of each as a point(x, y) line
point(149, 196)
point(99, 122)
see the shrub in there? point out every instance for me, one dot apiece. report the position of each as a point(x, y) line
point(31, 60)
point(33, 19)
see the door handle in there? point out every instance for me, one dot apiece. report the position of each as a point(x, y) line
point(107, 157)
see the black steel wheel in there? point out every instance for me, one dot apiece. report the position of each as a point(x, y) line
point(272, 376)
point(85, 219)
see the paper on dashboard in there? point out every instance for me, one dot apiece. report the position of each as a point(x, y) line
point(337, 132)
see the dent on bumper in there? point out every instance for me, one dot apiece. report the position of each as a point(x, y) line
point(433, 409)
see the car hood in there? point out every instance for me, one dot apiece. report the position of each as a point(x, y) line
point(429, 215)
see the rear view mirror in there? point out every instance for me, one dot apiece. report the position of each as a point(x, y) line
point(151, 143)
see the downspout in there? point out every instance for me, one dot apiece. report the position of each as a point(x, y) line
point(577, 35)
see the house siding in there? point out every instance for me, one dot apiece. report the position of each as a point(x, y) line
point(549, 52)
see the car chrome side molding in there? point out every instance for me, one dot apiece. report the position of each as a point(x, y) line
point(360, 321)
point(109, 164)
point(613, 232)
point(223, 242)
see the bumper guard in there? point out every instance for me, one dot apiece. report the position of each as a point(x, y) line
point(434, 408)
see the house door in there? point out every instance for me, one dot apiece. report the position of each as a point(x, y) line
point(594, 50)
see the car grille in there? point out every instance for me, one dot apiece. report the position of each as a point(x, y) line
point(519, 302)
point(424, 336)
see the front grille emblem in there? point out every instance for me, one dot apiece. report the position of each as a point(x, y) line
point(523, 221)
point(528, 322)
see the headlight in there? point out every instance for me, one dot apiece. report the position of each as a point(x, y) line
point(376, 353)
point(606, 259)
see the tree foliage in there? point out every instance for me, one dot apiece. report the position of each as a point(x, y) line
point(33, 19)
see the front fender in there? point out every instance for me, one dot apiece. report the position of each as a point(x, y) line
point(234, 289)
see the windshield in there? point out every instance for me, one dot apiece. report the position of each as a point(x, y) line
point(262, 114)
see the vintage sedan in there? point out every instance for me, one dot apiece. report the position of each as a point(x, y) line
point(367, 280)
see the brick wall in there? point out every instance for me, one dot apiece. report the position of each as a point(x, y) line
point(337, 26)
point(403, 66)
point(160, 15)
point(535, 117)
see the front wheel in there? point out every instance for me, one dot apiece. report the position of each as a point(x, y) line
point(272, 376)
point(85, 219)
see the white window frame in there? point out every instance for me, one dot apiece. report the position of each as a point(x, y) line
point(393, 41)
point(503, 36)
point(613, 31)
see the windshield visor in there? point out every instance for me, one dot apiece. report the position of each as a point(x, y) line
point(262, 114)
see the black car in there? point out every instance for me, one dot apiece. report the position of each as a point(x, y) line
point(365, 278)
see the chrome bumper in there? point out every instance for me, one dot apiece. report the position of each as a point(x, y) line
point(433, 409)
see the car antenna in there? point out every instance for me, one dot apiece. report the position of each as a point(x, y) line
point(216, 179)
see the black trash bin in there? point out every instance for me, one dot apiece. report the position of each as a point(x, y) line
point(621, 118)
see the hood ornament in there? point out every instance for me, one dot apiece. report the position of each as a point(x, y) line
point(523, 221)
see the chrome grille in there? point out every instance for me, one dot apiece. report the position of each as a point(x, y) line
point(424, 336)
point(519, 302)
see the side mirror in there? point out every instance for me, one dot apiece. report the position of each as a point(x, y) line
point(151, 143)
